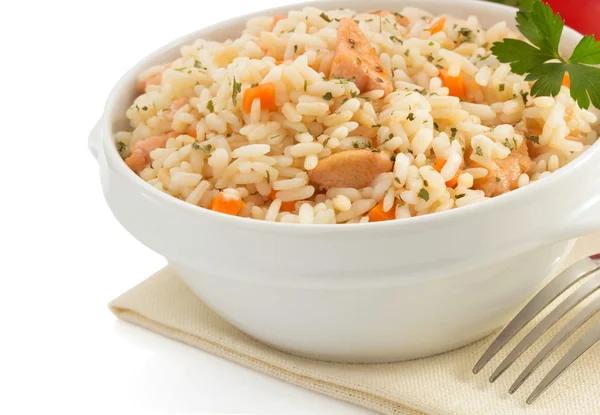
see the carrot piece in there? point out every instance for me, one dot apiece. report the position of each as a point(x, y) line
point(567, 80)
point(226, 204)
point(438, 25)
point(377, 214)
point(455, 84)
point(439, 165)
point(279, 62)
point(285, 206)
point(266, 93)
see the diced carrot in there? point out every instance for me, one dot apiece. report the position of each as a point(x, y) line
point(227, 204)
point(455, 84)
point(279, 62)
point(438, 25)
point(266, 93)
point(377, 214)
point(285, 206)
point(567, 80)
point(439, 165)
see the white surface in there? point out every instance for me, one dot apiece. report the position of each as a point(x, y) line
point(63, 256)
point(305, 302)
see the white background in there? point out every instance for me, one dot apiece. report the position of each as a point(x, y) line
point(63, 256)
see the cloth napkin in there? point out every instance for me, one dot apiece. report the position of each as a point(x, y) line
point(442, 384)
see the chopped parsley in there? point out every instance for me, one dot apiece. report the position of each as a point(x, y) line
point(144, 108)
point(436, 126)
point(179, 69)
point(501, 87)
point(326, 141)
point(479, 151)
point(305, 85)
point(379, 80)
point(410, 116)
point(325, 17)
point(237, 88)
point(460, 196)
point(534, 138)
point(395, 39)
point(210, 106)
point(198, 64)
point(328, 96)
point(268, 177)
point(424, 194)
point(466, 33)
point(376, 126)
point(295, 48)
point(498, 179)
point(205, 148)
point(431, 43)
point(397, 180)
point(453, 130)
point(524, 96)
point(121, 146)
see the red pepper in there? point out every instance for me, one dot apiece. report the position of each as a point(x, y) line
point(581, 15)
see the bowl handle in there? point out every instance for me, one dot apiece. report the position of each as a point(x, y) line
point(94, 140)
point(584, 221)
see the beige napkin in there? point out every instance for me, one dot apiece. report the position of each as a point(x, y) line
point(437, 385)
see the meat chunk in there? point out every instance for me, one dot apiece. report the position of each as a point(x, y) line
point(506, 177)
point(351, 168)
point(140, 153)
point(401, 20)
point(356, 58)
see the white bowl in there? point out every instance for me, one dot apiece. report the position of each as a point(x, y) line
point(375, 292)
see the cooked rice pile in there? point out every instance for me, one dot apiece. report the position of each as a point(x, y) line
point(326, 151)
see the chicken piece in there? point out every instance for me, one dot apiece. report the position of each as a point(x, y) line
point(400, 19)
point(140, 153)
point(506, 177)
point(356, 58)
point(351, 168)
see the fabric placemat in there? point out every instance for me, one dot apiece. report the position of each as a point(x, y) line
point(442, 384)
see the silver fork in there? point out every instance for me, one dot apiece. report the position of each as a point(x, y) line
point(586, 269)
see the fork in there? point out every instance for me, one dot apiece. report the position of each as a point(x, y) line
point(584, 270)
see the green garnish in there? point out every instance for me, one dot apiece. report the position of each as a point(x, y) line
point(410, 116)
point(542, 61)
point(533, 138)
point(121, 146)
point(453, 131)
point(325, 17)
point(204, 148)
point(498, 179)
point(424, 194)
point(198, 64)
point(210, 106)
point(479, 151)
point(328, 96)
point(268, 177)
point(501, 87)
point(305, 85)
point(395, 39)
point(460, 196)
point(237, 88)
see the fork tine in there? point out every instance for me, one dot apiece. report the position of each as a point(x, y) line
point(549, 293)
point(584, 315)
point(582, 346)
point(556, 314)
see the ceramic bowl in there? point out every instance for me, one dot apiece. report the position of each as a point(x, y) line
point(375, 292)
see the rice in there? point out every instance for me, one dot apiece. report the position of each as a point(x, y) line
point(193, 135)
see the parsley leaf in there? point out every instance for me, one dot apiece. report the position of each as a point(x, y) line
point(541, 59)
point(424, 194)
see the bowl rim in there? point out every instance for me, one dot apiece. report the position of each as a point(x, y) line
point(486, 207)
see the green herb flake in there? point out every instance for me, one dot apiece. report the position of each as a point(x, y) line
point(325, 17)
point(397, 180)
point(479, 151)
point(210, 106)
point(237, 88)
point(328, 96)
point(498, 179)
point(376, 126)
point(460, 196)
point(396, 39)
point(144, 108)
point(424, 194)
point(326, 141)
point(431, 43)
point(410, 116)
point(501, 87)
point(436, 126)
point(268, 177)
point(305, 85)
point(453, 130)
point(534, 138)
point(295, 48)
point(121, 146)
point(198, 64)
